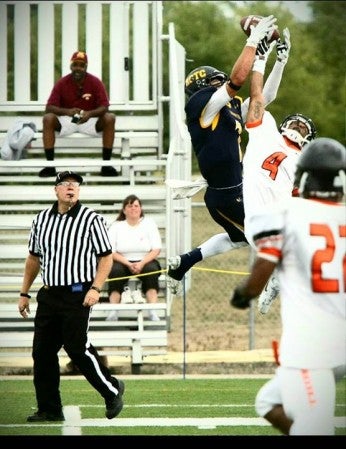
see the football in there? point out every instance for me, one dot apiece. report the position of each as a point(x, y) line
point(248, 21)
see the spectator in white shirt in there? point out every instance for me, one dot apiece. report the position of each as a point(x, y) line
point(136, 245)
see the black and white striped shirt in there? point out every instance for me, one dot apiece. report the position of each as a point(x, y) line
point(68, 244)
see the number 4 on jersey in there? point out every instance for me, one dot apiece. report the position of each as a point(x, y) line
point(272, 162)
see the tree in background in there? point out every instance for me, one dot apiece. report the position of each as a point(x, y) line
point(329, 32)
point(314, 79)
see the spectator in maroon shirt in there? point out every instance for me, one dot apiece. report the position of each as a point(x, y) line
point(78, 103)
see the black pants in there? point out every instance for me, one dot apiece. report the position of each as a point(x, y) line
point(150, 281)
point(227, 209)
point(62, 321)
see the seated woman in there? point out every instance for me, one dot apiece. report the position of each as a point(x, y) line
point(136, 244)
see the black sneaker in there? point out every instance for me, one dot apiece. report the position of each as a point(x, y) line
point(45, 416)
point(109, 171)
point(47, 172)
point(114, 406)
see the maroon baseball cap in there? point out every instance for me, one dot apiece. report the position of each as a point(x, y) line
point(79, 56)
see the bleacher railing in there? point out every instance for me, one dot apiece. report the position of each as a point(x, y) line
point(121, 38)
point(179, 156)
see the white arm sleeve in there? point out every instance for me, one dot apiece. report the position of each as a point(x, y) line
point(215, 104)
point(272, 84)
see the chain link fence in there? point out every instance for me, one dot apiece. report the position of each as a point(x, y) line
point(202, 319)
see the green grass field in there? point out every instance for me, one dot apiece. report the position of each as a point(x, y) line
point(153, 407)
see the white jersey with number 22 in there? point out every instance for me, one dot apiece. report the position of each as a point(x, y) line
point(307, 241)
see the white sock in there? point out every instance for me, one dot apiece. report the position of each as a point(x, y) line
point(219, 244)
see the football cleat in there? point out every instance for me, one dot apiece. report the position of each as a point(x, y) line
point(268, 295)
point(174, 262)
point(174, 286)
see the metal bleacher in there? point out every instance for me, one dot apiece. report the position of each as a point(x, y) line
point(124, 41)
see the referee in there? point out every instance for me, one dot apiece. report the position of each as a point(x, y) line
point(69, 244)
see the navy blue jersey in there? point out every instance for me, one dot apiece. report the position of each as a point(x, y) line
point(217, 147)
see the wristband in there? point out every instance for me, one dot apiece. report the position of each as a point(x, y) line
point(251, 42)
point(95, 288)
point(26, 295)
point(259, 65)
point(233, 86)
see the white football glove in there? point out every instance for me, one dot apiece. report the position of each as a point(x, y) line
point(258, 32)
point(262, 53)
point(264, 48)
point(283, 47)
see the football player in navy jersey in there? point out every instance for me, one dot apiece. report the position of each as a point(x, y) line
point(214, 117)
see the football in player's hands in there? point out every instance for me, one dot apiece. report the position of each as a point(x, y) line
point(249, 21)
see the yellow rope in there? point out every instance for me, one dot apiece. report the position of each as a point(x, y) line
point(211, 270)
point(136, 275)
point(241, 273)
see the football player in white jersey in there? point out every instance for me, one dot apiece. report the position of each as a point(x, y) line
point(305, 239)
point(223, 179)
point(270, 160)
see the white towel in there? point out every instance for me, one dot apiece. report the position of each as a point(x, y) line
point(18, 137)
point(185, 189)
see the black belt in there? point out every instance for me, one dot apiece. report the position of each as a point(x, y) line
point(51, 287)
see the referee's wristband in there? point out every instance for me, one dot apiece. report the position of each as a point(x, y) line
point(95, 288)
point(26, 295)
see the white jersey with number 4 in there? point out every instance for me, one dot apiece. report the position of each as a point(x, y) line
point(307, 241)
point(268, 167)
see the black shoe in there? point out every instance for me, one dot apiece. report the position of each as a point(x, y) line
point(109, 171)
point(114, 406)
point(45, 416)
point(47, 172)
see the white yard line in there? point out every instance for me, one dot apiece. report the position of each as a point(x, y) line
point(205, 423)
point(74, 423)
